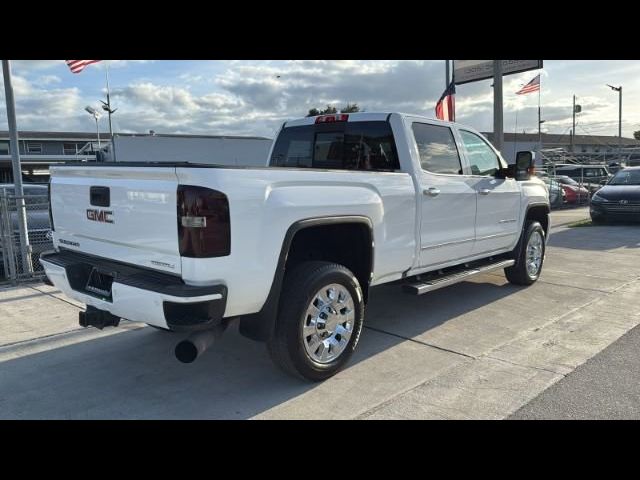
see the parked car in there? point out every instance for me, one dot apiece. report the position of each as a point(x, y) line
point(557, 196)
point(589, 176)
point(574, 192)
point(347, 202)
point(619, 199)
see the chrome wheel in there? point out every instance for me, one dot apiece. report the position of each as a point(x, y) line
point(535, 249)
point(328, 323)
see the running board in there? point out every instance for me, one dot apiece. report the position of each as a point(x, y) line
point(418, 288)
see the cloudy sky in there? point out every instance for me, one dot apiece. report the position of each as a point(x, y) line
point(254, 97)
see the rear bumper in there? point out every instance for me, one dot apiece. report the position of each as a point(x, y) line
point(138, 294)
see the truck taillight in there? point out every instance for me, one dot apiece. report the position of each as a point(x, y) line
point(203, 222)
point(341, 117)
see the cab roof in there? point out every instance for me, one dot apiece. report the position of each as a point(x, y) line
point(360, 117)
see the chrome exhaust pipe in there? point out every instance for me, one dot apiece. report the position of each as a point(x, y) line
point(189, 349)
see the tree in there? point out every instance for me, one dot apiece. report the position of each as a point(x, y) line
point(636, 134)
point(327, 111)
point(349, 108)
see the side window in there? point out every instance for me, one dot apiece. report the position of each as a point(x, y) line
point(437, 149)
point(482, 160)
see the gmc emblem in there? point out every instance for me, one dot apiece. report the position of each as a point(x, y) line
point(103, 216)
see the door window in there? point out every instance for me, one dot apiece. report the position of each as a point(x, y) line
point(482, 159)
point(437, 149)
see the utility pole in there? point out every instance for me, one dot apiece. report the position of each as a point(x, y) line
point(498, 130)
point(619, 90)
point(573, 132)
point(620, 123)
point(17, 169)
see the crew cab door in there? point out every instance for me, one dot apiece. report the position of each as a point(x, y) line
point(448, 199)
point(498, 199)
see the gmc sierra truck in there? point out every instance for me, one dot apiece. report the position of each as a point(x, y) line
point(292, 249)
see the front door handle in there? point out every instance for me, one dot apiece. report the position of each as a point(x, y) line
point(431, 191)
point(484, 191)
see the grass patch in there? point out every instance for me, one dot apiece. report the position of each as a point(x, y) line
point(582, 223)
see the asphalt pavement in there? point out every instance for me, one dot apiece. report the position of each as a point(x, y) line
point(606, 387)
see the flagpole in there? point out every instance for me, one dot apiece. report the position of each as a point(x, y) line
point(539, 117)
point(515, 136)
point(110, 111)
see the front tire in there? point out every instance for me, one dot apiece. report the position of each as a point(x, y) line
point(320, 319)
point(530, 256)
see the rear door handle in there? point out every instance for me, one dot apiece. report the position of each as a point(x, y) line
point(484, 191)
point(431, 191)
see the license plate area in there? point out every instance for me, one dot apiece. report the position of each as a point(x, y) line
point(99, 284)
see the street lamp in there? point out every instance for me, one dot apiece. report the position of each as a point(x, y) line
point(619, 90)
point(96, 115)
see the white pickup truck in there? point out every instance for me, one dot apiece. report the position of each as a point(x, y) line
point(293, 249)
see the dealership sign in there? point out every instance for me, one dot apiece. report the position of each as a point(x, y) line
point(466, 71)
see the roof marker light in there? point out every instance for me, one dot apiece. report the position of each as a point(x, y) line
point(341, 117)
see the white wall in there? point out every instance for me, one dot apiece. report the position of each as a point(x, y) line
point(222, 151)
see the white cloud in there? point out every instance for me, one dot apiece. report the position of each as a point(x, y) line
point(254, 97)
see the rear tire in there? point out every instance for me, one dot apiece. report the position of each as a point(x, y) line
point(319, 322)
point(530, 255)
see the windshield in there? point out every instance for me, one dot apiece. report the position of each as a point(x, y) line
point(626, 177)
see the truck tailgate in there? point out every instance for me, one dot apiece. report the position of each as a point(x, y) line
point(127, 214)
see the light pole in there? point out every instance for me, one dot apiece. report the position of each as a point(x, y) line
point(96, 115)
point(619, 90)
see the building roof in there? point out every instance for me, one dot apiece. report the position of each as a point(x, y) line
point(87, 136)
point(78, 136)
point(177, 135)
point(557, 139)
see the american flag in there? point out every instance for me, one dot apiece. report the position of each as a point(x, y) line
point(446, 106)
point(532, 86)
point(76, 66)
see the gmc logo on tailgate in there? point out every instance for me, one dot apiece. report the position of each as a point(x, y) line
point(103, 216)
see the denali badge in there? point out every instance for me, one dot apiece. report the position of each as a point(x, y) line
point(104, 216)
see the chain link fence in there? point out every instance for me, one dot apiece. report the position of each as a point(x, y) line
point(16, 265)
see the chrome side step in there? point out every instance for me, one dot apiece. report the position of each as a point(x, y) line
point(418, 288)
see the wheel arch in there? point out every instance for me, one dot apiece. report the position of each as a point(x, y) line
point(260, 326)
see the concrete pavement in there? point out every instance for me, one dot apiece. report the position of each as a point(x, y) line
point(479, 349)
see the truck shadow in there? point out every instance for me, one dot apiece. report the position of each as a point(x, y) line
point(133, 373)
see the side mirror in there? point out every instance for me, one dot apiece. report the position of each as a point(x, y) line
point(524, 166)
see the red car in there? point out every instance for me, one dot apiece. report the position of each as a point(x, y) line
point(572, 189)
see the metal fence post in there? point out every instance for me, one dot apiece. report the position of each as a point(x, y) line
point(6, 238)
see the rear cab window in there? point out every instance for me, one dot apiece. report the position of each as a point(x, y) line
point(364, 146)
